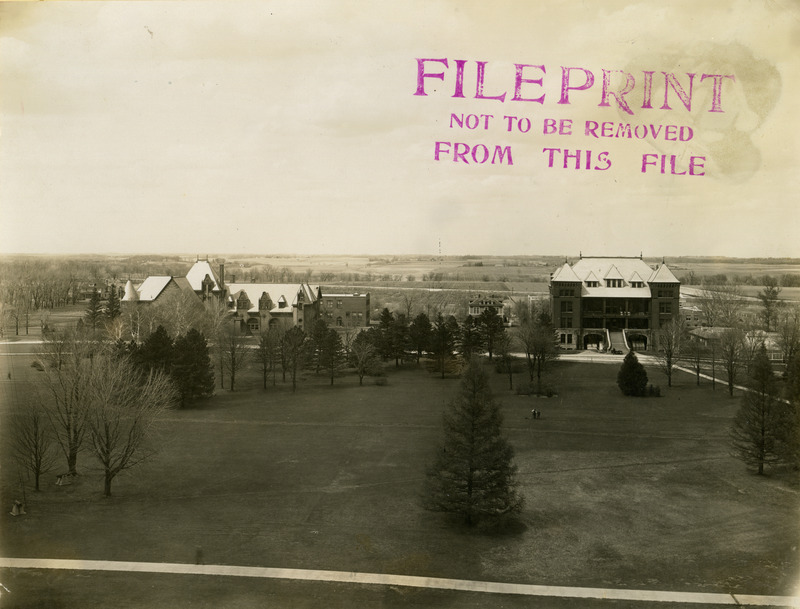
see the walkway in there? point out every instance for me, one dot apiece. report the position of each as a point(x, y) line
point(349, 577)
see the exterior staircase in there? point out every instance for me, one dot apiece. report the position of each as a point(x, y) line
point(618, 341)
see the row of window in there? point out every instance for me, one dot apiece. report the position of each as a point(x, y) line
point(614, 283)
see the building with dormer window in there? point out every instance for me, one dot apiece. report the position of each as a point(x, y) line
point(612, 303)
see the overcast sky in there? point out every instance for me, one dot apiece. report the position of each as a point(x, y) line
point(292, 127)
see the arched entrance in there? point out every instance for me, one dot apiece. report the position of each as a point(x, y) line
point(637, 341)
point(595, 341)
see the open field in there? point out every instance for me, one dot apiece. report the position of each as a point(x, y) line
point(627, 493)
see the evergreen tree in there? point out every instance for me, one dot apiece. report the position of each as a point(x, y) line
point(758, 424)
point(470, 339)
point(94, 311)
point(317, 338)
point(384, 336)
point(399, 337)
point(420, 334)
point(443, 342)
point(113, 307)
point(156, 351)
point(491, 325)
point(192, 371)
point(332, 355)
point(632, 377)
point(473, 474)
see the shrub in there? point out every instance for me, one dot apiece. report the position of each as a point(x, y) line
point(632, 377)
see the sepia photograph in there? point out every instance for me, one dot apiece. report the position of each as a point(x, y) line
point(424, 304)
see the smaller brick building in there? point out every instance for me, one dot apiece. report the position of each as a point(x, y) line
point(345, 310)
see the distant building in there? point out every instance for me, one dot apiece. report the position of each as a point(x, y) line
point(201, 280)
point(500, 305)
point(259, 306)
point(255, 306)
point(345, 310)
point(612, 303)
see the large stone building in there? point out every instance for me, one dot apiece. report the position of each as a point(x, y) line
point(255, 306)
point(612, 303)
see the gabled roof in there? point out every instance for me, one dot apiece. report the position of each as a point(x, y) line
point(635, 278)
point(277, 292)
point(663, 275)
point(198, 272)
point(613, 273)
point(565, 273)
point(152, 287)
point(592, 277)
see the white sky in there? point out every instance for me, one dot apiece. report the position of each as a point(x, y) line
point(278, 127)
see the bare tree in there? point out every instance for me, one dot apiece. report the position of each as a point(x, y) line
point(236, 353)
point(66, 396)
point(731, 348)
point(769, 301)
point(788, 328)
point(124, 408)
point(266, 354)
point(33, 442)
point(214, 325)
point(504, 344)
point(364, 355)
point(694, 353)
point(721, 305)
point(293, 352)
point(537, 336)
point(671, 338)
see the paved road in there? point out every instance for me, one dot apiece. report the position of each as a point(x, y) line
point(704, 598)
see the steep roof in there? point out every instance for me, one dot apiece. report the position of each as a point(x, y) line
point(131, 294)
point(566, 273)
point(276, 291)
point(613, 273)
point(198, 272)
point(152, 287)
point(663, 275)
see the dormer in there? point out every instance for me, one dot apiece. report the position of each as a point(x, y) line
point(614, 278)
point(592, 281)
point(265, 302)
point(242, 302)
point(636, 281)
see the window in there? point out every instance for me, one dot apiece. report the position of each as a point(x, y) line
point(614, 283)
point(637, 284)
point(566, 292)
point(566, 339)
point(665, 293)
point(592, 284)
point(665, 307)
point(338, 304)
point(566, 306)
point(566, 322)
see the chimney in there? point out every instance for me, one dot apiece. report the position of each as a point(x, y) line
point(221, 275)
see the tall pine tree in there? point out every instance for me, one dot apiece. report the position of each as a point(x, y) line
point(192, 371)
point(473, 474)
point(760, 422)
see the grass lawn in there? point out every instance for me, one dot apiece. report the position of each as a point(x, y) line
point(621, 492)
